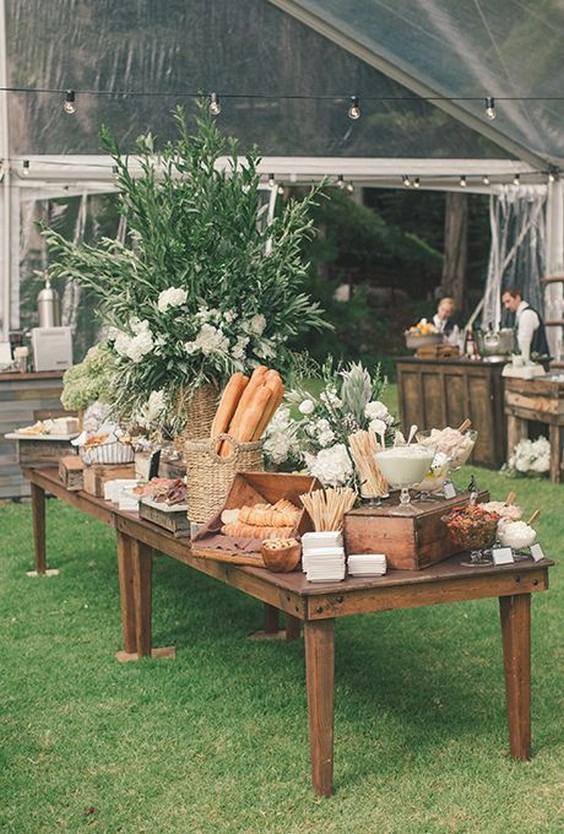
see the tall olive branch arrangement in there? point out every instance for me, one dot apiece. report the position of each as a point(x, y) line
point(203, 286)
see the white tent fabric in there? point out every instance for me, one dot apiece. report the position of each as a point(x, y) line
point(285, 71)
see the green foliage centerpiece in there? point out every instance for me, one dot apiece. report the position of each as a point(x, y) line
point(206, 287)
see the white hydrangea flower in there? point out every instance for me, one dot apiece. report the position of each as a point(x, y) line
point(324, 433)
point(376, 410)
point(229, 316)
point(152, 409)
point(280, 442)
point(330, 398)
point(239, 349)
point(210, 340)
point(378, 426)
point(172, 297)
point(306, 407)
point(135, 347)
point(256, 324)
point(331, 466)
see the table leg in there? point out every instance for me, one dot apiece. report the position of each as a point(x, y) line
point(126, 592)
point(515, 614)
point(270, 619)
point(319, 636)
point(142, 568)
point(555, 436)
point(38, 520)
point(293, 626)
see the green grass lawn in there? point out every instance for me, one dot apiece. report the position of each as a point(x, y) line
point(216, 740)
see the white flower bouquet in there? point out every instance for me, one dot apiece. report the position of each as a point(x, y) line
point(205, 287)
point(530, 458)
point(312, 430)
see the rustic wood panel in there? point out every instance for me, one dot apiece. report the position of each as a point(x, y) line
point(441, 392)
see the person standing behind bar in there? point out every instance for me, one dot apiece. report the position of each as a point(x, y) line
point(443, 319)
point(531, 333)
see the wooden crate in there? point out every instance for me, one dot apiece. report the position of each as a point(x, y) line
point(96, 475)
point(169, 518)
point(408, 542)
point(37, 454)
point(71, 472)
point(248, 489)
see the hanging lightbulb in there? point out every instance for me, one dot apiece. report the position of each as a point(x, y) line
point(354, 109)
point(69, 106)
point(25, 168)
point(491, 112)
point(406, 181)
point(416, 183)
point(350, 187)
point(552, 175)
point(462, 181)
point(281, 189)
point(340, 181)
point(486, 179)
point(214, 106)
point(271, 180)
point(517, 179)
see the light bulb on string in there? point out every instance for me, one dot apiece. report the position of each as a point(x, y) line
point(271, 180)
point(486, 179)
point(552, 175)
point(340, 181)
point(406, 181)
point(354, 108)
point(491, 112)
point(517, 180)
point(280, 189)
point(350, 187)
point(462, 181)
point(69, 106)
point(214, 106)
point(25, 168)
point(416, 183)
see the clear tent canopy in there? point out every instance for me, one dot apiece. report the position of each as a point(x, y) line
point(285, 74)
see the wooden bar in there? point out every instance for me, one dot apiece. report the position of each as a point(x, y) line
point(319, 640)
point(142, 566)
point(271, 619)
point(434, 393)
point(38, 519)
point(127, 593)
point(515, 615)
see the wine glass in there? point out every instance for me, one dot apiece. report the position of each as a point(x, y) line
point(404, 467)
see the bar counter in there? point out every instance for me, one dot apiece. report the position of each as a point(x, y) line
point(434, 393)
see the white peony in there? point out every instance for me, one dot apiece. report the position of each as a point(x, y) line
point(173, 297)
point(375, 410)
point(331, 466)
point(377, 426)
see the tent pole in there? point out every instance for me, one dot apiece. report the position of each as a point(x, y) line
point(5, 213)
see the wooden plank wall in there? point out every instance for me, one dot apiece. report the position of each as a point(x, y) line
point(24, 398)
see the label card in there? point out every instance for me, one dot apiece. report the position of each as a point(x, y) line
point(537, 552)
point(449, 490)
point(502, 556)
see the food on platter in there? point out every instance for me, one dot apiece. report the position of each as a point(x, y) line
point(471, 527)
point(247, 406)
point(516, 534)
point(56, 426)
point(95, 440)
point(261, 521)
point(454, 443)
point(422, 328)
point(281, 555)
point(167, 491)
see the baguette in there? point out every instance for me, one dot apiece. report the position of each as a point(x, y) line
point(256, 380)
point(228, 403)
point(249, 531)
point(274, 382)
point(267, 518)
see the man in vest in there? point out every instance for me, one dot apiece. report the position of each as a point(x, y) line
point(531, 333)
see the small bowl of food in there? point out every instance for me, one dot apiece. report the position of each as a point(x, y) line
point(471, 527)
point(281, 555)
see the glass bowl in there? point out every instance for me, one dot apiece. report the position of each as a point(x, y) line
point(457, 446)
point(471, 527)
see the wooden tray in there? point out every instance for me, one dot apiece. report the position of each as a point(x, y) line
point(173, 519)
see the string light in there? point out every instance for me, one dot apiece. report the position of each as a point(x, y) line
point(491, 112)
point(416, 183)
point(354, 109)
point(69, 106)
point(271, 180)
point(350, 187)
point(462, 181)
point(340, 181)
point(517, 180)
point(406, 181)
point(25, 168)
point(486, 179)
point(214, 105)
point(552, 174)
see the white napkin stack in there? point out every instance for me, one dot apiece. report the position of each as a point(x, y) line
point(367, 564)
point(323, 556)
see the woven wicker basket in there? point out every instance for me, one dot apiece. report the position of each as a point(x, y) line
point(209, 476)
point(200, 410)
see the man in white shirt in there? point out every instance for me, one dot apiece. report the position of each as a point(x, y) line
point(531, 334)
point(443, 320)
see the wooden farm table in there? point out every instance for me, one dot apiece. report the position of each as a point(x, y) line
point(317, 606)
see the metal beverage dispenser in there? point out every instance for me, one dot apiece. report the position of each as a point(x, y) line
point(48, 305)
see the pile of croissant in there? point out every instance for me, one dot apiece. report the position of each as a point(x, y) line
point(261, 521)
